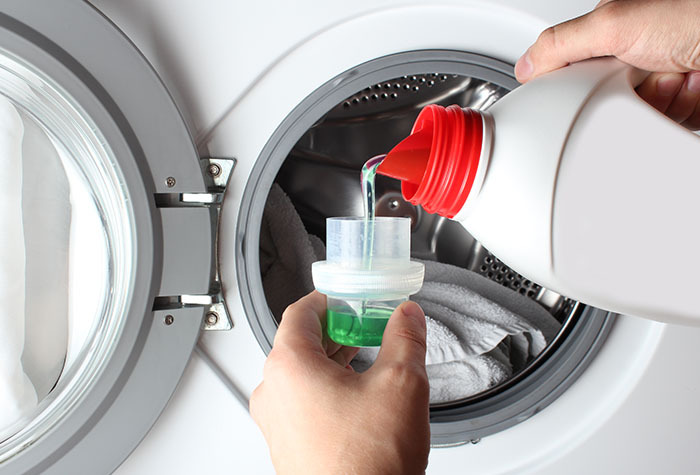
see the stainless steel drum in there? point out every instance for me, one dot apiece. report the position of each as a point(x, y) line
point(315, 156)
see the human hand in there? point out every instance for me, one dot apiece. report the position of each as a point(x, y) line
point(654, 35)
point(319, 416)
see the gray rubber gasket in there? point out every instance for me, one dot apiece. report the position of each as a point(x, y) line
point(94, 62)
point(449, 425)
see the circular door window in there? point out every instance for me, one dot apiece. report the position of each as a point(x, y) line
point(67, 255)
point(88, 357)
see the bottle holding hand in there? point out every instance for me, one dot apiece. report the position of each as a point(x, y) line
point(573, 181)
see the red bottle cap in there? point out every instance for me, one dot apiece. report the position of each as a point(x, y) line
point(437, 163)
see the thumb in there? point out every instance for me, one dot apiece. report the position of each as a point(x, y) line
point(587, 36)
point(404, 337)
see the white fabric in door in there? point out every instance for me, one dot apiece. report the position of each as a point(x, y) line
point(46, 212)
point(17, 394)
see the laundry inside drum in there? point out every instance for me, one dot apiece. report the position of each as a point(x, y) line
point(488, 326)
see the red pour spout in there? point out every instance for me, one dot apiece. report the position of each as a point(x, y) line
point(437, 163)
point(408, 160)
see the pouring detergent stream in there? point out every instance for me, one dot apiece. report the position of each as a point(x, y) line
point(368, 271)
point(368, 174)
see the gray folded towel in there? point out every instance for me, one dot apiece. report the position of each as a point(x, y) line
point(286, 253)
point(479, 333)
point(483, 332)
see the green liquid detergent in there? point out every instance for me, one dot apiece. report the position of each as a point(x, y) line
point(363, 326)
point(347, 328)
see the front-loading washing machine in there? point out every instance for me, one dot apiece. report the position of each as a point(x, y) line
point(169, 174)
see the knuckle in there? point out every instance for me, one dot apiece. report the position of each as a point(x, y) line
point(547, 38)
point(281, 363)
point(274, 364)
point(551, 40)
point(292, 309)
point(615, 32)
point(606, 22)
point(607, 14)
point(406, 376)
point(693, 59)
point(287, 311)
point(254, 403)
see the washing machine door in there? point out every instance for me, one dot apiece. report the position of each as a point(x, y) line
point(137, 236)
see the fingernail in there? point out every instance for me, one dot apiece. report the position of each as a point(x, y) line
point(523, 68)
point(412, 309)
point(693, 84)
point(669, 84)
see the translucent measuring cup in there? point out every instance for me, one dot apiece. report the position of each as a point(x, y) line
point(366, 275)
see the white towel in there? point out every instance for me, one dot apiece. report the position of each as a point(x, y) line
point(459, 379)
point(477, 325)
point(457, 376)
point(474, 340)
point(17, 394)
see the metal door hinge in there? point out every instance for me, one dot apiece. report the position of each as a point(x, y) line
point(216, 172)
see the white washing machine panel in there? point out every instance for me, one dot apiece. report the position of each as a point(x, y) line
point(577, 431)
point(237, 72)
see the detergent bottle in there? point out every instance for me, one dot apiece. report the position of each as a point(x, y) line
point(573, 181)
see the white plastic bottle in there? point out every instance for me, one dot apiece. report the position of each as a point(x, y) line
point(573, 181)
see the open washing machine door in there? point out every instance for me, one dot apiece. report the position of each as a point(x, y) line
point(312, 156)
point(116, 181)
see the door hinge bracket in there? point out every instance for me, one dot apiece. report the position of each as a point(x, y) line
point(216, 316)
point(216, 172)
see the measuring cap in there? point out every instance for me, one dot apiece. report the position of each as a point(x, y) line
point(387, 273)
point(437, 164)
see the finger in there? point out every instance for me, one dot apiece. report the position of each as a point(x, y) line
point(344, 355)
point(337, 347)
point(684, 103)
point(693, 122)
point(659, 89)
point(404, 337)
point(329, 345)
point(302, 324)
point(587, 36)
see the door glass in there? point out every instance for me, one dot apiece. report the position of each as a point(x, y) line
point(66, 253)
